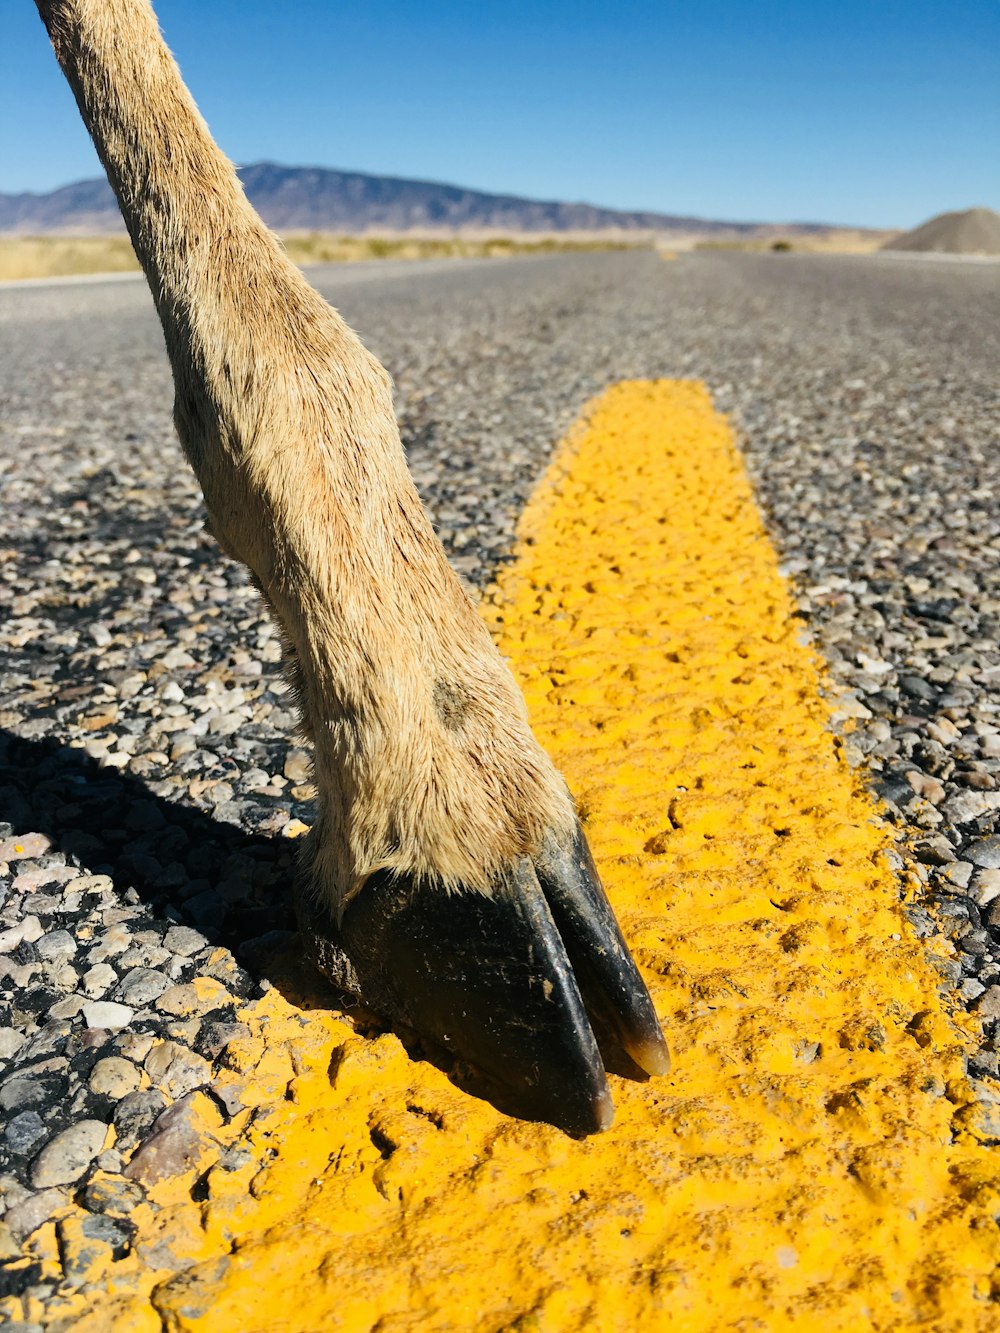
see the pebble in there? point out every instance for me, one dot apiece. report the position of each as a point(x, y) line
point(175, 1069)
point(34, 1210)
point(99, 978)
point(141, 986)
point(39, 877)
point(927, 787)
point(188, 999)
point(958, 873)
point(65, 1158)
point(11, 1042)
point(985, 852)
point(23, 1133)
point(114, 1077)
point(135, 1045)
point(95, 884)
point(114, 1197)
point(213, 1038)
point(934, 851)
point(23, 848)
point(184, 941)
point(985, 887)
point(135, 1115)
point(230, 1096)
point(27, 930)
point(18, 1093)
point(176, 1144)
point(988, 1097)
point(11, 1191)
point(298, 766)
point(107, 1014)
point(114, 942)
point(83, 1257)
point(967, 806)
point(110, 1231)
point(56, 946)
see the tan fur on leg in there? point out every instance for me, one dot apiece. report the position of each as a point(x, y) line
point(424, 759)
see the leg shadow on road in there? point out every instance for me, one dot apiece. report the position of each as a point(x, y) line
point(184, 866)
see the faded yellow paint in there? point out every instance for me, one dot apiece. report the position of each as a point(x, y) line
point(810, 1163)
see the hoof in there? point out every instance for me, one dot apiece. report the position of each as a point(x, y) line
point(532, 986)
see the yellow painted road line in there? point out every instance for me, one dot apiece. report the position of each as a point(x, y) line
point(812, 1161)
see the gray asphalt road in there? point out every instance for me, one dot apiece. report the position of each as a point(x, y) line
point(864, 391)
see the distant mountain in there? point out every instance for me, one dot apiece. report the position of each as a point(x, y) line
point(974, 232)
point(318, 199)
point(86, 207)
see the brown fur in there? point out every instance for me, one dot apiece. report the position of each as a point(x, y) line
point(424, 759)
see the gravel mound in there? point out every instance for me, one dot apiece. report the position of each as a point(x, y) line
point(974, 232)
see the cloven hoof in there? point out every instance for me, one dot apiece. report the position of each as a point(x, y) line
point(533, 986)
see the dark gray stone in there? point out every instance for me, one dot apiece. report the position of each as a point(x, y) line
point(136, 1113)
point(140, 986)
point(24, 1133)
point(985, 852)
point(114, 1196)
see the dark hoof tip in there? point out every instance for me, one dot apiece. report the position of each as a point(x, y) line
point(515, 984)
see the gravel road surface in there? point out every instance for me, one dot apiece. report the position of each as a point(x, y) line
point(150, 782)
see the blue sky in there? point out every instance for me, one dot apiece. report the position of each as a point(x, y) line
point(875, 112)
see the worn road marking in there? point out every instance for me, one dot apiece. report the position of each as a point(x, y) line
point(812, 1161)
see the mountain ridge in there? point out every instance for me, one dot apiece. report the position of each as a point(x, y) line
point(327, 199)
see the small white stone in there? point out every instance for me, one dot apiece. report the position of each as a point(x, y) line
point(98, 978)
point(11, 1042)
point(298, 765)
point(969, 805)
point(985, 887)
point(959, 873)
point(107, 1014)
point(10, 939)
point(875, 666)
point(31, 929)
point(846, 706)
point(175, 658)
